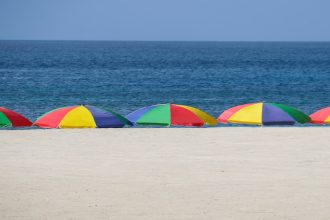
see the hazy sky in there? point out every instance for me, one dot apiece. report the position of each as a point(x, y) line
point(214, 20)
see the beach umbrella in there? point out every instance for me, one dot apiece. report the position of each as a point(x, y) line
point(9, 118)
point(263, 114)
point(81, 116)
point(321, 116)
point(171, 114)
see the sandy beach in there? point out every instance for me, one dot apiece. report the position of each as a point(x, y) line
point(213, 173)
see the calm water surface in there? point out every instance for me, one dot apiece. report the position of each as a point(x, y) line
point(37, 76)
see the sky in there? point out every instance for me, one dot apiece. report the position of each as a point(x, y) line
point(169, 20)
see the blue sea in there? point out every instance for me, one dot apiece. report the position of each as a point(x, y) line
point(38, 76)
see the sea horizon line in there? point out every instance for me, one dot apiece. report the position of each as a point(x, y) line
point(188, 41)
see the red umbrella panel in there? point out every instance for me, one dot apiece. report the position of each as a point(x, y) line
point(9, 118)
point(321, 116)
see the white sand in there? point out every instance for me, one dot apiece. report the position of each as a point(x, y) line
point(214, 173)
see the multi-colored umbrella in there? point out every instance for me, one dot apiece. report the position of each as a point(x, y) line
point(171, 114)
point(81, 116)
point(9, 118)
point(263, 114)
point(321, 116)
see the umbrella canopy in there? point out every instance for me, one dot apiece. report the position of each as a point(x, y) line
point(171, 114)
point(81, 116)
point(321, 116)
point(9, 118)
point(263, 114)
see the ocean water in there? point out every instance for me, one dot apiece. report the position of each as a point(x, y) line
point(38, 76)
